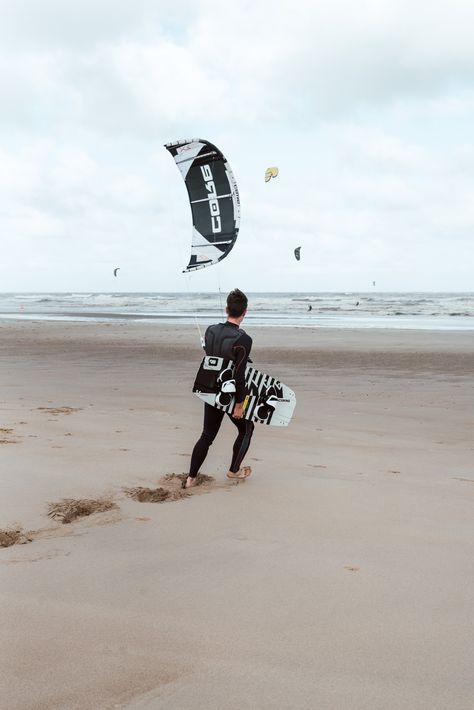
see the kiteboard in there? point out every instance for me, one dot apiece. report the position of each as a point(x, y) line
point(268, 401)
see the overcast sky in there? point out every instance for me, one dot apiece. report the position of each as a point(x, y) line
point(366, 107)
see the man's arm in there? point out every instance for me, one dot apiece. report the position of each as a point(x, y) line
point(241, 351)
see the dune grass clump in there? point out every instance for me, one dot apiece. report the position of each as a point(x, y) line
point(69, 509)
point(13, 536)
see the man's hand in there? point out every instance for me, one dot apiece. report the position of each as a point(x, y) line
point(238, 412)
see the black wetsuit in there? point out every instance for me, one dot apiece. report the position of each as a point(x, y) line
point(229, 341)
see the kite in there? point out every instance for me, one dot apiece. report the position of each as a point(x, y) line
point(214, 199)
point(297, 253)
point(270, 173)
point(115, 270)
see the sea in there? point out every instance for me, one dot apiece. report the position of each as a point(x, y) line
point(420, 311)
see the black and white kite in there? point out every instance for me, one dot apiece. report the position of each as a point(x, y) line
point(214, 199)
point(115, 270)
point(297, 253)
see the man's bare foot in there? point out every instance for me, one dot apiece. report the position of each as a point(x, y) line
point(244, 472)
point(190, 482)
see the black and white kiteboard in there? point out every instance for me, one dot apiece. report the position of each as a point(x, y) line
point(268, 400)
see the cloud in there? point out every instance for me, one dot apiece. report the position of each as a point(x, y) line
point(53, 24)
point(367, 109)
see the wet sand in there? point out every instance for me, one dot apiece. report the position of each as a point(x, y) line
point(340, 575)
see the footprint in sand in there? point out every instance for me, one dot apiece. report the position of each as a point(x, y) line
point(150, 495)
point(69, 509)
point(14, 536)
point(393, 471)
point(6, 436)
point(351, 569)
point(170, 489)
point(59, 410)
point(316, 465)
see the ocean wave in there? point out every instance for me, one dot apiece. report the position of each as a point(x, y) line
point(264, 306)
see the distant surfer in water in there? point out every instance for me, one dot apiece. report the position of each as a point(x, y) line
point(229, 341)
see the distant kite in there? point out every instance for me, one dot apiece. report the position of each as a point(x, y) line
point(297, 253)
point(373, 283)
point(270, 173)
point(115, 270)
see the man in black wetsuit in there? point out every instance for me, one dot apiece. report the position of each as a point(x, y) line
point(229, 341)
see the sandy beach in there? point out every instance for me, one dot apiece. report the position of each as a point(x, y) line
point(339, 576)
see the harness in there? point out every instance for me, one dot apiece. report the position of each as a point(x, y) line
point(220, 340)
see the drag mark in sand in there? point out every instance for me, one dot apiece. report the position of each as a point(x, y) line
point(36, 558)
point(69, 509)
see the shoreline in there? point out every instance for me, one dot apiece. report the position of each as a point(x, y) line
point(364, 323)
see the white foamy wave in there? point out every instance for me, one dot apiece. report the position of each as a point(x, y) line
point(374, 309)
point(124, 300)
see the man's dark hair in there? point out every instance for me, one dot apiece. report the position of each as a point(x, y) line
point(236, 303)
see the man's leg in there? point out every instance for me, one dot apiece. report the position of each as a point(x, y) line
point(212, 422)
point(241, 445)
